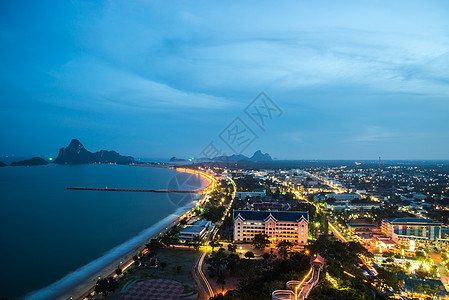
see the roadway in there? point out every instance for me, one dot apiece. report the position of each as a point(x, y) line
point(203, 284)
point(200, 278)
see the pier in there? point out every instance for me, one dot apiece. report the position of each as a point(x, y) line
point(133, 190)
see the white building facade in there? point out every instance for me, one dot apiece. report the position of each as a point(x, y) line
point(289, 226)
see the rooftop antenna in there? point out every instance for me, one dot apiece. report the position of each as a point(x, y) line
point(380, 163)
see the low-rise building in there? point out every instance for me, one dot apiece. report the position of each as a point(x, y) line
point(191, 232)
point(270, 206)
point(289, 226)
point(343, 196)
point(196, 231)
point(356, 228)
point(407, 229)
point(347, 205)
point(243, 195)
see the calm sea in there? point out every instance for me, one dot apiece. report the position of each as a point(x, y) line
point(52, 239)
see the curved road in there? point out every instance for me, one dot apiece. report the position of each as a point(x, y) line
point(205, 289)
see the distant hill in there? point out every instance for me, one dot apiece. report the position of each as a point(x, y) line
point(35, 161)
point(174, 159)
point(75, 153)
point(2, 164)
point(258, 156)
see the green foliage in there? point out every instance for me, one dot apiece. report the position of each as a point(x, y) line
point(213, 213)
point(247, 183)
point(418, 287)
point(284, 248)
point(232, 247)
point(260, 241)
point(105, 286)
point(388, 278)
point(118, 271)
point(220, 263)
point(214, 244)
point(259, 282)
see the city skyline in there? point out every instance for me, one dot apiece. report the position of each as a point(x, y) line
point(353, 81)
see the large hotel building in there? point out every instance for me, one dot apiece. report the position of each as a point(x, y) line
point(289, 226)
point(405, 229)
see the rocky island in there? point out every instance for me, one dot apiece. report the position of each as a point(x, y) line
point(35, 161)
point(75, 153)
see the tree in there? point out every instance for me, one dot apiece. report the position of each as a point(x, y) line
point(118, 271)
point(221, 280)
point(106, 285)
point(436, 288)
point(426, 287)
point(196, 243)
point(284, 248)
point(249, 255)
point(137, 261)
point(214, 244)
point(232, 247)
point(433, 271)
point(233, 261)
point(219, 263)
point(388, 278)
point(266, 256)
point(260, 241)
point(153, 246)
point(418, 287)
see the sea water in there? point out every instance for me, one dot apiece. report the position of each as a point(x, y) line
point(52, 239)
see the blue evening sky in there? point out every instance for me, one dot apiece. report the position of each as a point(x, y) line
point(354, 79)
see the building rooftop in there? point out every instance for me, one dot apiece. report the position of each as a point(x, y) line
point(284, 216)
point(317, 260)
point(202, 223)
point(361, 225)
point(412, 220)
point(192, 229)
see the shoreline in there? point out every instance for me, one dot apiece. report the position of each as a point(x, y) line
point(79, 283)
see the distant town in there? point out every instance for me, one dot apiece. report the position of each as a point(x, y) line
point(339, 230)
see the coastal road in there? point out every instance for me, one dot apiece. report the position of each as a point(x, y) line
point(204, 288)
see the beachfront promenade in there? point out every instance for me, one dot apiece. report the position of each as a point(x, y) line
point(127, 261)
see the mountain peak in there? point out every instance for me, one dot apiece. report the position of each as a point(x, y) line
point(75, 153)
point(75, 142)
point(259, 156)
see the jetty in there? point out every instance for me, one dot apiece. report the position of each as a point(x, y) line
point(133, 190)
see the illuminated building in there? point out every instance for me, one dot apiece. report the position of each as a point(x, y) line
point(289, 226)
point(407, 229)
point(343, 196)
